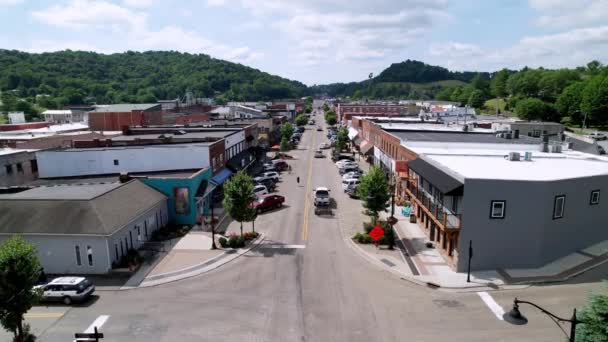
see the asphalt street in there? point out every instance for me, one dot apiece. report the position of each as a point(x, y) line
point(322, 291)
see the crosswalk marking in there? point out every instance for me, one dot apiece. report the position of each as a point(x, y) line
point(491, 303)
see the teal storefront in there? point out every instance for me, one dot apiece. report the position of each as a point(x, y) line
point(188, 195)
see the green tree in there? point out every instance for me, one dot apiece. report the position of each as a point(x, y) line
point(445, 94)
point(285, 145)
point(341, 139)
point(568, 103)
point(19, 272)
point(301, 120)
point(595, 317)
point(287, 131)
point(594, 67)
point(238, 195)
point(595, 100)
point(476, 99)
point(534, 109)
point(498, 84)
point(481, 83)
point(455, 97)
point(374, 191)
point(330, 118)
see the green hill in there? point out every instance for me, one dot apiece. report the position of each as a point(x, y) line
point(77, 77)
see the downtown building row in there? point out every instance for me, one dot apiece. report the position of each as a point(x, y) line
point(522, 201)
point(93, 201)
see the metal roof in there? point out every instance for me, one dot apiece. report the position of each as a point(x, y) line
point(461, 137)
point(126, 107)
point(103, 215)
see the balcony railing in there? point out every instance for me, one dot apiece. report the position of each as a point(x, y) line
point(447, 220)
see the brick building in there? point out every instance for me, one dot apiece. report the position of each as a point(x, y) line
point(345, 111)
point(114, 117)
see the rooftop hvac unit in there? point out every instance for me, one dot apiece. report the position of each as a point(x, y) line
point(544, 147)
point(508, 136)
point(514, 156)
point(528, 156)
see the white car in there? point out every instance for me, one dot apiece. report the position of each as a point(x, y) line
point(343, 162)
point(597, 136)
point(272, 175)
point(67, 289)
point(321, 196)
point(353, 175)
point(324, 146)
point(348, 166)
point(260, 190)
point(346, 183)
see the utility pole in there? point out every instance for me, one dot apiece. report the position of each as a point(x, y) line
point(470, 257)
point(213, 246)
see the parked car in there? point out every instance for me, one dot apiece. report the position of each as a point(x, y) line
point(324, 146)
point(273, 175)
point(67, 289)
point(319, 129)
point(321, 196)
point(319, 154)
point(268, 202)
point(260, 190)
point(351, 191)
point(348, 169)
point(349, 182)
point(269, 184)
point(300, 129)
point(345, 157)
point(297, 135)
point(597, 136)
point(281, 165)
point(352, 174)
point(269, 168)
point(345, 162)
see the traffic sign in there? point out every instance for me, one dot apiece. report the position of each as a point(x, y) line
point(377, 233)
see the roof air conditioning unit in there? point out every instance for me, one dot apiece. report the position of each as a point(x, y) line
point(528, 156)
point(514, 156)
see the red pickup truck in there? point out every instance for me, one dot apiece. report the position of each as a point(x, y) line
point(267, 202)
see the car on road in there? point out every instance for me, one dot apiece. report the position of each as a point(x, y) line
point(280, 165)
point(597, 136)
point(346, 183)
point(349, 168)
point(319, 129)
point(67, 290)
point(320, 196)
point(260, 190)
point(268, 202)
point(272, 175)
point(319, 154)
point(351, 191)
point(324, 146)
point(268, 183)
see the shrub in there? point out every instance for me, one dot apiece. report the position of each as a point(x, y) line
point(223, 242)
point(250, 235)
point(368, 226)
point(240, 241)
point(363, 238)
point(232, 241)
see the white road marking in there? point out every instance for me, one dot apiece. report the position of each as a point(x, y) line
point(491, 303)
point(283, 246)
point(98, 322)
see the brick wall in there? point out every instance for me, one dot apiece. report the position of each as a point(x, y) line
point(216, 156)
point(114, 121)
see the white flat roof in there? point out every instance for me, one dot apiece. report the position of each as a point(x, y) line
point(7, 151)
point(492, 164)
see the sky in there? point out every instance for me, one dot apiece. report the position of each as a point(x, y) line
point(322, 41)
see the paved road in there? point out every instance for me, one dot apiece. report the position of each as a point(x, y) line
point(323, 292)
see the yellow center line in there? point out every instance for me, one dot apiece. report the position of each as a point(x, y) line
point(43, 315)
point(308, 190)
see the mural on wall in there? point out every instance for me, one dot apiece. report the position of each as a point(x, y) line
point(182, 200)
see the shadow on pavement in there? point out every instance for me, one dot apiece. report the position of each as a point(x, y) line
point(83, 304)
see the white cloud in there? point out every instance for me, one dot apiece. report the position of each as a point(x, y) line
point(216, 3)
point(568, 13)
point(140, 3)
point(566, 49)
point(11, 2)
point(128, 29)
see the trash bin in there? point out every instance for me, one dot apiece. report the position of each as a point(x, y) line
point(412, 218)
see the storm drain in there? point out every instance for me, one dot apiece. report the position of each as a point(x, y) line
point(388, 262)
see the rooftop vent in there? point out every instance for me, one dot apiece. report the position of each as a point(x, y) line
point(513, 156)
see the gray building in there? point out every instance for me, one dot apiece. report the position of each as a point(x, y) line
point(517, 213)
point(17, 166)
point(83, 228)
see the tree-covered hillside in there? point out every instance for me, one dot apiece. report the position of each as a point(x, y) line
point(51, 80)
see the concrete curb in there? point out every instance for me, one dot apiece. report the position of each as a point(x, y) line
point(199, 269)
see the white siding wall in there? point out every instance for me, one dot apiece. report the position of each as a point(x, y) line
point(234, 139)
point(101, 161)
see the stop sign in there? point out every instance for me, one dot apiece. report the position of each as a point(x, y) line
point(376, 233)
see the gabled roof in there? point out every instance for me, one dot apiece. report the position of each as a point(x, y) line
point(68, 209)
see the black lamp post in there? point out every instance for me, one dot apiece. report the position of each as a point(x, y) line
point(392, 220)
point(213, 246)
point(515, 317)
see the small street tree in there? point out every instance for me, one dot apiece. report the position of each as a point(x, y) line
point(595, 317)
point(301, 120)
point(251, 216)
point(341, 139)
point(285, 145)
point(19, 272)
point(238, 195)
point(374, 191)
point(287, 130)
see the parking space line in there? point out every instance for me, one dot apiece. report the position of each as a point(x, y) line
point(308, 189)
point(491, 303)
point(98, 322)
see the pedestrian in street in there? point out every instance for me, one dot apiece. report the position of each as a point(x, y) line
point(298, 180)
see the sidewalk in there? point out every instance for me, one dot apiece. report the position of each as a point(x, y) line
point(415, 262)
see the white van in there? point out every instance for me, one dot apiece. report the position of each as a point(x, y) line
point(349, 182)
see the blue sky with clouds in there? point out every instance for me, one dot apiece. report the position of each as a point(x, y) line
point(321, 41)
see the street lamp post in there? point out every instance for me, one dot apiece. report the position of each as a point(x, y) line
point(515, 317)
point(392, 220)
point(213, 246)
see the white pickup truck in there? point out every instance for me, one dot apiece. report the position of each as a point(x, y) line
point(321, 197)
